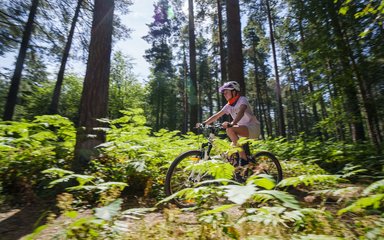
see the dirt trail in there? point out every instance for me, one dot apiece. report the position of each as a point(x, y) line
point(18, 222)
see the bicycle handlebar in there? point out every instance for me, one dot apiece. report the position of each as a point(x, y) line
point(206, 126)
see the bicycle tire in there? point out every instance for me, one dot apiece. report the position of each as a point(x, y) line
point(267, 163)
point(179, 178)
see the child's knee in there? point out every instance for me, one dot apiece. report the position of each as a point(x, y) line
point(229, 131)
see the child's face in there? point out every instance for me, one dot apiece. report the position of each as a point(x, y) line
point(227, 94)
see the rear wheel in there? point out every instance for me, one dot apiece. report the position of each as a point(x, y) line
point(181, 175)
point(265, 163)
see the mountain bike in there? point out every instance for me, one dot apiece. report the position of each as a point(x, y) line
point(181, 175)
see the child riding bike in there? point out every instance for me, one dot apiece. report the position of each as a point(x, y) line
point(244, 123)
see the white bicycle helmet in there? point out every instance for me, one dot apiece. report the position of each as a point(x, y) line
point(232, 85)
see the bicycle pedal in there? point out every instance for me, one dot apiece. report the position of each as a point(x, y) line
point(243, 162)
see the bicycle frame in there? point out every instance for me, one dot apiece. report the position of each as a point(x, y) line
point(180, 176)
point(207, 147)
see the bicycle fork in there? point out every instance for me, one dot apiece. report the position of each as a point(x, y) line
point(195, 176)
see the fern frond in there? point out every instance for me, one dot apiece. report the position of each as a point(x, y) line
point(308, 180)
point(218, 209)
point(378, 187)
point(286, 199)
point(267, 216)
point(316, 237)
point(81, 179)
point(374, 201)
point(341, 193)
point(262, 180)
point(216, 168)
point(120, 185)
point(60, 172)
point(135, 213)
point(239, 194)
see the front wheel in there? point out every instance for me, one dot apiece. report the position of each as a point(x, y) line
point(267, 163)
point(182, 175)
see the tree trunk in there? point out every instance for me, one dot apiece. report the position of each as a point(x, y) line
point(94, 99)
point(307, 75)
point(280, 109)
point(53, 108)
point(352, 103)
point(185, 90)
point(223, 60)
point(235, 48)
point(15, 82)
point(192, 68)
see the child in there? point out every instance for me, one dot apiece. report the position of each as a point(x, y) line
point(244, 123)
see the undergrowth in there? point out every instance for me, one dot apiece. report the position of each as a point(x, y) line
point(318, 199)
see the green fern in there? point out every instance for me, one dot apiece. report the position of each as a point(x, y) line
point(216, 168)
point(268, 216)
point(57, 171)
point(218, 209)
point(309, 180)
point(375, 201)
point(316, 237)
point(110, 211)
point(82, 179)
point(262, 180)
point(239, 194)
point(136, 213)
point(341, 193)
point(377, 187)
point(286, 199)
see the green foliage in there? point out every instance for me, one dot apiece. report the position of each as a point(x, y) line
point(375, 201)
point(216, 168)
point(37, 102)
point(377, 187)
point(102, 224)
point(98, 226)
point(372, 197)
point(139, 158)
point(309, 180)
point(125, 90)
point(331, 156)
point(86, 183)
point(27, 148)
point(110, 211)
point(239, 194)
point(373, 8)
point(133, 155)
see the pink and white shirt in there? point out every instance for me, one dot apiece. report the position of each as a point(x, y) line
point(249, 119)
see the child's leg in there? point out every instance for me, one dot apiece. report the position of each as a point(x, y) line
point(234, 133)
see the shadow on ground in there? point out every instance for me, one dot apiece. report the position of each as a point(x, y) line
point(16, 223)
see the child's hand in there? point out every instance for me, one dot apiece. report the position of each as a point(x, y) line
point(226, 125)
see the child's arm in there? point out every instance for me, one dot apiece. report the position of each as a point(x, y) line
point(239, 115)
point(214, 117)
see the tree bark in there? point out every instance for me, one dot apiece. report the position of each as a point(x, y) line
point(235, 46)
point(94, 99)
point(352, 103)
point(194, 108)
point(223, 60)
point(280, 109)
point(53, 108)
point(16, 79)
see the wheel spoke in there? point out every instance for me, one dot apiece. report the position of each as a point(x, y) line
point(182, 175)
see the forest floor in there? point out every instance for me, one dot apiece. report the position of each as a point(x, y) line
point(172, 222)
point(17, 223)
point(166, 222)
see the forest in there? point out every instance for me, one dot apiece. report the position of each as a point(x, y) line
point(85, 156)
